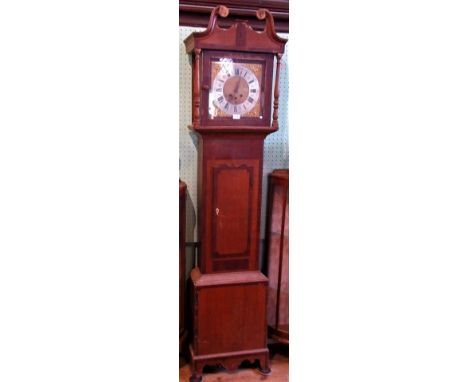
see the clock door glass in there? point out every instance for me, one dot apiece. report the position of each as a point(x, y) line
point(235, 89)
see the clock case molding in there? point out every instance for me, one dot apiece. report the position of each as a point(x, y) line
point(228, 291)
point(196, 13)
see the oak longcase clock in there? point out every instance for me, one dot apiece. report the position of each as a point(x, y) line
point(234, 107)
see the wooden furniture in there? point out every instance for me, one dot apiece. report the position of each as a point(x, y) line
point(234, 107)
point(277, 255)
point(279, 370)
point(182, 329)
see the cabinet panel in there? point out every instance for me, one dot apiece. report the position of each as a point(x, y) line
point(232, 209)
point(232, 202)
point(234, 318)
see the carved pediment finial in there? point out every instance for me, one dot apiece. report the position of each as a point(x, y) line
point(221, 10)
point(263, 14)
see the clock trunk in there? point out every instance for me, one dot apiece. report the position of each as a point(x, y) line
point(230, 188)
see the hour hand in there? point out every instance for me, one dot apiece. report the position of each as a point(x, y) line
point(237, 85)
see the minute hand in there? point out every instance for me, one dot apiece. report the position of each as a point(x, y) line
point(237, 85)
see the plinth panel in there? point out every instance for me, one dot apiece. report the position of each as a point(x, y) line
point(230, 314)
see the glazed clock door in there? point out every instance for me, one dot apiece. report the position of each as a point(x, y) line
point(235, 89)
point(233, 215)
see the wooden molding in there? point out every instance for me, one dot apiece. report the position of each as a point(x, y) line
point(197, 13)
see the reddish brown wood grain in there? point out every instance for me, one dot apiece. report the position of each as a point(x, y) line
point(229, 319)
point(237, 328)
point(232, 202)
point(223, 157)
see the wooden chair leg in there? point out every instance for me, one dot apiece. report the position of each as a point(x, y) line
point(265, 365)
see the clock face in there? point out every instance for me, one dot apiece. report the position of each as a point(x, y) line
point(235, 89)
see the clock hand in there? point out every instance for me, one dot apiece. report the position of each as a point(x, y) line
point(237, 85)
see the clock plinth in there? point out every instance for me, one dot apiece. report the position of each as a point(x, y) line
point(229, 319)
point(235, 102)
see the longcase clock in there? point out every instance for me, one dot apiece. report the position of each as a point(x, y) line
point(234, 107)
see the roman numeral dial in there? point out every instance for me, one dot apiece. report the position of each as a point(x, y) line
point(235, 89)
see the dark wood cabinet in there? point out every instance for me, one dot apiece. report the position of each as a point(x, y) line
point(277, 255)
point(182, 290)
point(234, 107)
